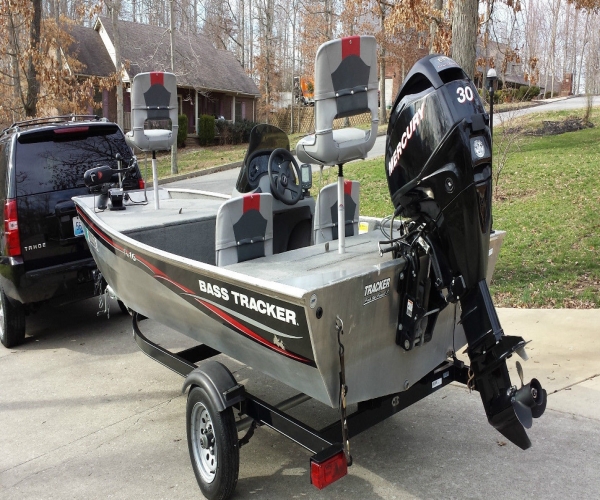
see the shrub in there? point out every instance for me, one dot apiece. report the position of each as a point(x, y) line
point(234, 133)
point(532, 93)
point(182, 131)
point(206, 130)
point(527, 93)
point(548, 94)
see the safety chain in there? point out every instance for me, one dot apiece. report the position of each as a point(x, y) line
point(471, 380)
point(339, 326)
point(103, 302)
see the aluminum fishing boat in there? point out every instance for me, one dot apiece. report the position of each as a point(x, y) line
point(369, 311)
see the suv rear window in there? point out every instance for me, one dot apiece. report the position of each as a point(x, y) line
point(56, 159)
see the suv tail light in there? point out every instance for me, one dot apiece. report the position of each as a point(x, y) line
point(11, 228)
point(71, 130)
point(141, 183)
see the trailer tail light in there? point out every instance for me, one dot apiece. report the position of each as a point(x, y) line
point(329, 470)
point(141, 183)
point(11, 228)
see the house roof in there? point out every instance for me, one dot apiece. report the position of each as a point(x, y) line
point(85, 50)
point(198, 64)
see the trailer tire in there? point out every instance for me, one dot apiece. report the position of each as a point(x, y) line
point(213, 445)
point(12, 322)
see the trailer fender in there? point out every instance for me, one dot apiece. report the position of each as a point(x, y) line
point(218, 382)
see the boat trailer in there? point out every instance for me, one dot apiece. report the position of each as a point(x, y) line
point(329, 445)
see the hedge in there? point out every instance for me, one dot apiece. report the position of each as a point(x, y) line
point(206, 130)
point(234, 133)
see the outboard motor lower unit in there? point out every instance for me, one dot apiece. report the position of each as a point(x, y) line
point(439, 170)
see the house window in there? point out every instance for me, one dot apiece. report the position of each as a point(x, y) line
point(180, 104)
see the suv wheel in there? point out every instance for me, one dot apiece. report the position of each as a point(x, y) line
point(12, 322)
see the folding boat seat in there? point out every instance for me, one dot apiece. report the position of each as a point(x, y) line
point(326, 225)
point(244, 229)
point(345, 85)
point(153, 97)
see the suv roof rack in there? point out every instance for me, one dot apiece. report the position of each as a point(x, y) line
point(51, 120)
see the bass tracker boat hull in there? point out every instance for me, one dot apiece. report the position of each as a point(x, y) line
point(277, 313)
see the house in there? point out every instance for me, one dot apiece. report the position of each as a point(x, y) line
point(209, 80)
point(511, 70)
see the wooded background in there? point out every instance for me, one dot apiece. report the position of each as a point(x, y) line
point(276, 40)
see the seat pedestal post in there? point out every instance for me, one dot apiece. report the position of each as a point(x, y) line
point(155, 180)
point(341, 211)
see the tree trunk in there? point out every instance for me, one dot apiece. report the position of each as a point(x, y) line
point(251, 36)
point(583, 45)
point(14, 66)
point(433, 26)
point(242, 32)
point(33, 85)
point(174, 169)
point(464, 34)
point(115, 10)
point(382, 53)
point(574, 52)
point(56, 7)
point(555, 14)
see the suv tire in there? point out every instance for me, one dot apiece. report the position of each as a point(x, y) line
point(12, 322)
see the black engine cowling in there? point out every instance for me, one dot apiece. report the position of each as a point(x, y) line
point(438, 161)
point(439, 170)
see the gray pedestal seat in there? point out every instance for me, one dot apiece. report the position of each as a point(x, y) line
point(345, 85)
point(153, 97)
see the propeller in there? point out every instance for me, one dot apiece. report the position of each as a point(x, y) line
point(529, 401)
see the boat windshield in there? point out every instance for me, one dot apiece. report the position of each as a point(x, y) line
point(263, 140)
point(266, 138)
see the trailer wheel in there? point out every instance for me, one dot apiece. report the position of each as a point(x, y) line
point(12, 322)
point(213, 445)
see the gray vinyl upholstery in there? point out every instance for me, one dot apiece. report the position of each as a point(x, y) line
point(326, 214)
point(345, 85)
point(153, 97)
point(244, 229)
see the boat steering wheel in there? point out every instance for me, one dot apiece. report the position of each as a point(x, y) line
point(283, 180)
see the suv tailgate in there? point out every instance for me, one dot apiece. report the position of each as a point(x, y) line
point(49, 168)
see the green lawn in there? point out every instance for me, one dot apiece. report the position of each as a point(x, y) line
point(191, 159)
point(550, 208)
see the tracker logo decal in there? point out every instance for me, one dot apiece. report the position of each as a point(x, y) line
point(376, 291)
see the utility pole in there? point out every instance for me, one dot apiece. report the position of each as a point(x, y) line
point(174, 146)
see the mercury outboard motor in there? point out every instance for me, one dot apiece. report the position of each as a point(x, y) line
point(439, 170)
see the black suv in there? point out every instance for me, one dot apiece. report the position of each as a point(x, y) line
point(43, 254)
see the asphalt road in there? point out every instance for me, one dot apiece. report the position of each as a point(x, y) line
point(558, 104)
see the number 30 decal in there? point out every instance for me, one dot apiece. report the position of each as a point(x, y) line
point(464, 94)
